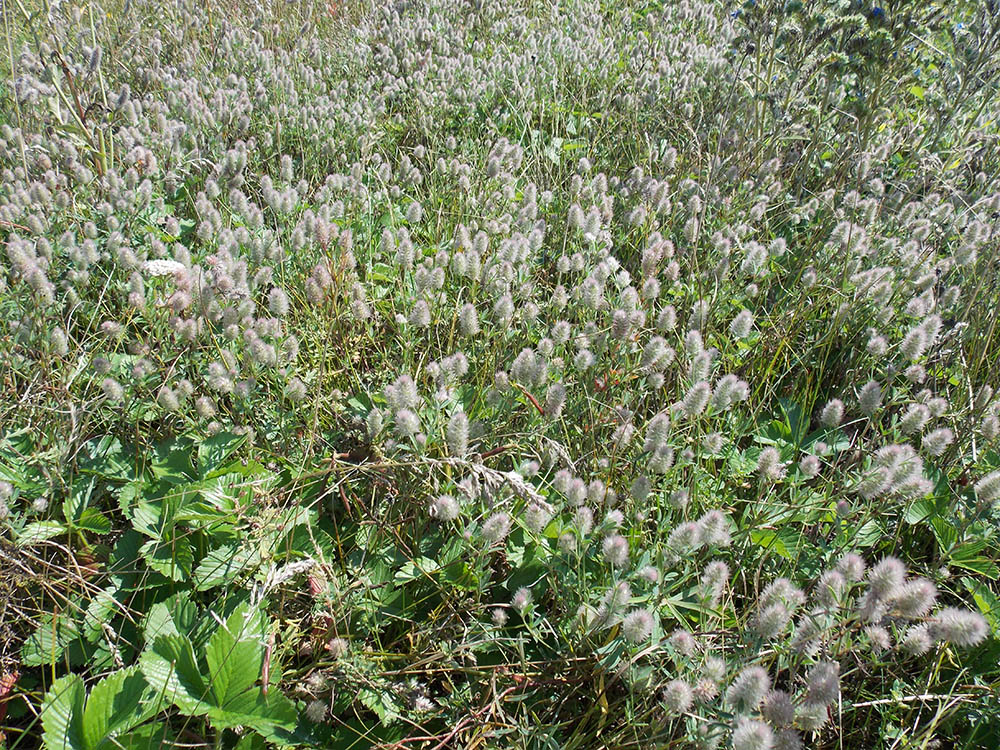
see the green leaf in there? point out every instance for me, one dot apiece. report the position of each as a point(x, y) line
point(124, 563)
point(235, 655)
point(228, 695)
point(94, 521)
point(107, 458)
point(919, 511)
point(49, 640)
point(171, 669)
point(223, 565)
point(946, 534)
point(796, 420)
point(130, 494)
point(251, 742)
point(78, 499)
point(982, 565)
point(381, 272)
point(277, 533)
point(266, 714)
point(248, 469)
point(986, 601)
point(101, 609)
point(381, 703)
point(422, 568)
point(174, 616)
point(146, 737)
point(781, 542)
point(868, 533)
point(172, 461)
point(173, 557)
point(119, 702)
point(459, 575)
point(154, 517)
point(213, 451)
point(62, 714)
point(210, 501)
point(39, 531)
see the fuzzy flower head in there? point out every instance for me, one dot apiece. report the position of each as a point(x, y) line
point(988, 488)
point(870, 397)
point(457, 434)
point(742, 324)
point(714, 527)
point(886, 577)
point(959, 627)
point(537, 516)
point(521, 600)
point(823, 683)
point(832, 414)
point(496, 528)
point(778, 709)
point(685, 539)
point(444, 508)
point(770, 465)
point(748, 690)
point(915, 598)
point(752, 735)
point(713, 580)
point(677, 697)
point(851, 566)
point(637, 625)
point(916, 640)
point(683, 642)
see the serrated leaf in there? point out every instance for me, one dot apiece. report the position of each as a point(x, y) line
point(248, 469)
point(282, 526)
point(227, 695)
point(173, 557)
point(116, 704)
point(223, 565)
point(62, 714)
point(146, 737)
point(107, 458)
point(459, 575)
point(152, 518)
point(944, 532)
point(174, 616)
point(919, 511)
point(130, 494)
point(213, 451)
point(420, 568)
point(49, 640)
point(100, 610)
point(211, 500)
point(774, 540)
point(172, 461)
point(171, 669)
point(39, 531)
point(267, 714)
point(235, 654)
point(380, 703)
point(124, 565)
point(982, 565)
point(94, 521)
point(986, 601)
point(250, 742)
point(868, 533)
point(381, 272)
point(77, 499)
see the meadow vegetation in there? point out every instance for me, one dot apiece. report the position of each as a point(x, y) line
point(480, 373)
